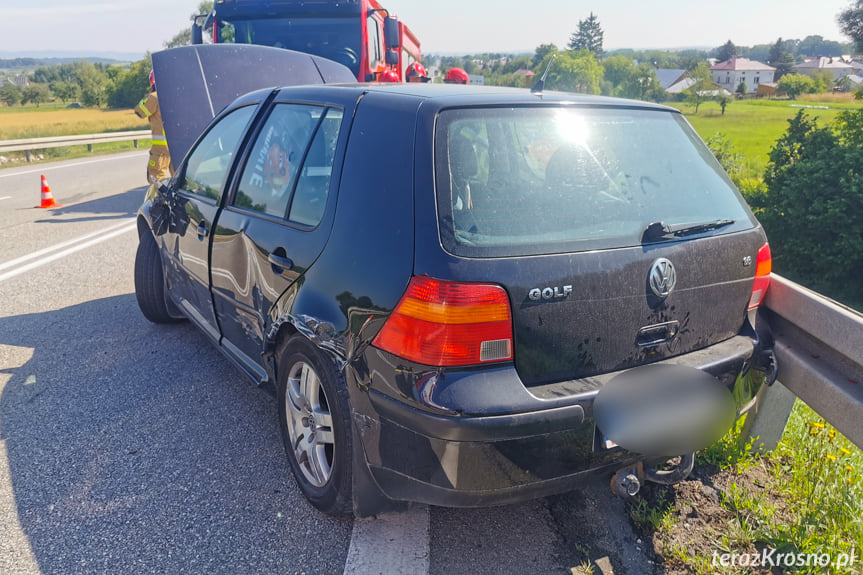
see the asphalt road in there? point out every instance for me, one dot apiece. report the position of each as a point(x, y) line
point(127, 447)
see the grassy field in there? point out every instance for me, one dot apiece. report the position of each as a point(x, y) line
point(31, 122)
point(54, 119)
point(753, 126)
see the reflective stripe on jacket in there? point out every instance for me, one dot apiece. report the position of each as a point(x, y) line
point(148, 108)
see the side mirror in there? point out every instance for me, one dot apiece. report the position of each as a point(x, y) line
point(391, 32)
point(198, 24)
point(392, 57)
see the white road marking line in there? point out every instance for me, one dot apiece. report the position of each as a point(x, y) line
point(6, 198)
point(61, 245)
point(78, 247)
point(46, 167)
point(392, 544)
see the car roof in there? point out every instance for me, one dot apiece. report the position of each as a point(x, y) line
point(472, 95)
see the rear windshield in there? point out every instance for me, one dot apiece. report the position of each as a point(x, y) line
point(522, 181)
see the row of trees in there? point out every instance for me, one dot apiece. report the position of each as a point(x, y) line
point(584, 66)
point(92, 84)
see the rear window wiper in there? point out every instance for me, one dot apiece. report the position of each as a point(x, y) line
point(661, 230)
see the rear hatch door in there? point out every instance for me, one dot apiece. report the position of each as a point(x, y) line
point(616, 234)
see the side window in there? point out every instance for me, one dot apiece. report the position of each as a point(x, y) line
point(374, 42)
point(288, 171)
point(210, 161)
point(310, 197)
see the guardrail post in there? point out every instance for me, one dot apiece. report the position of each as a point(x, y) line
point(27, 155)
point(89, 147)
point(135, 144)
point(766, 422)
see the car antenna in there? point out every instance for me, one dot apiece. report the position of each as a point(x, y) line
point(537, 88)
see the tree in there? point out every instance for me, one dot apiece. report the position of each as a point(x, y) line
point(643, 84)
point(35, 93)
point(94, 84)
point(726, 52)
point(574, 72)
point(698, 93)
point(822, 81)
point(851, 23)
point(742, 88)
point(723, 100)
point(184, 37)
point(818, 46)
point(10, 94)
point(542, 51)
point(781, 59)
point(128, 88)
point(845, 84)
point(813, 206)
point(588, 36)
point(617, 69)
point(65, 90)
point(796, 84)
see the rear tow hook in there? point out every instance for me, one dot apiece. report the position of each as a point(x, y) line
point(626, 482)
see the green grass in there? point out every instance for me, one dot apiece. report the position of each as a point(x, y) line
point(753, 126)
point(812, 501)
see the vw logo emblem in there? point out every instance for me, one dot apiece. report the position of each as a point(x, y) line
point(662, 277)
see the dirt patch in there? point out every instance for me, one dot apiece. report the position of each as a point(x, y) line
point(664, 530)
point(702, 520)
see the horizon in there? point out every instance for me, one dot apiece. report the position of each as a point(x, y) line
point(446, 26)
point(129, 57)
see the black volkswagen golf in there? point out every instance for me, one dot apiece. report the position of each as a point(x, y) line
point(465, 296)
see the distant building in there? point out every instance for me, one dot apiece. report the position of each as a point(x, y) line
point(527, 75)
point(668, 77)
point(731, 73)
point(768, 90)
point(681, 86)
point(19, 80)
point(837, 66)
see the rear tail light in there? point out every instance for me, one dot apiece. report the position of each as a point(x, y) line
point(763, 265)
point(449, 324)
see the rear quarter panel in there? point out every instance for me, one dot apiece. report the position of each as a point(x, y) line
point(368, 260)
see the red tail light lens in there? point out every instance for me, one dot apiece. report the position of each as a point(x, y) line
point(763, 266)
point(449, 324)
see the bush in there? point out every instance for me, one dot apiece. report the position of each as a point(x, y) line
point(813, 206)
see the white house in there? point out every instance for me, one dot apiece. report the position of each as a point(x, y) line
point(836, 66)
point(731, 73)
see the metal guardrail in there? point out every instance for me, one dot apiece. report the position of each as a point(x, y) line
point(819, 352)
point(29, 144)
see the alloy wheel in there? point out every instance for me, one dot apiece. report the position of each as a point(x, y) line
point(310, 424)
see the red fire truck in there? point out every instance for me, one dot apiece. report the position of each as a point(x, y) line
point(360, 34)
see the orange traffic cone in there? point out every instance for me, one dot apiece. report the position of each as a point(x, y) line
point(47, 197)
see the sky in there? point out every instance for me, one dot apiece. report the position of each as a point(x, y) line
point(443, 26)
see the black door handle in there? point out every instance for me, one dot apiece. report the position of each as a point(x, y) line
point(280, 263)
point(654, 335)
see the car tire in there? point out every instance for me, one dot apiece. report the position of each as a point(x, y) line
point(314, 419)
point(150, 282)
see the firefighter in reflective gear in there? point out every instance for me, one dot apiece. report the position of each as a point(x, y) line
point(159, 165)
